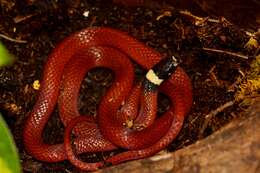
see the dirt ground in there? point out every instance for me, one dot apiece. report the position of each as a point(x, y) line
point(37, 27)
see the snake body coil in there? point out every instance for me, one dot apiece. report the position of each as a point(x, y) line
point(126, 115)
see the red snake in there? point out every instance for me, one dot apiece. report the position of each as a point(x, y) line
point(126, 116)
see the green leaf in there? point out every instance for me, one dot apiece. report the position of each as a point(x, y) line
point(9, 160)
point(5, 57)
point(4, 167)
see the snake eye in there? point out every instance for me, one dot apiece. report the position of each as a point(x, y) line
point(160, 72)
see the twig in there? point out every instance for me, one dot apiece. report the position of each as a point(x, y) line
point(251, 96)
point(19, 19)
point(213, 113)
point(12, 39)
point(252, 34)
point(225, 52)
point(213, 76)
point(66, 170)
point(187, 13)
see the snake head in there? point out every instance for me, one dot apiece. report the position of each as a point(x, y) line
point(160, 72)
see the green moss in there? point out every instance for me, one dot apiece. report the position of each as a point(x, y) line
point(250, 85)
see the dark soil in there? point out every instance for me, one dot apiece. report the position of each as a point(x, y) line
point(45, 23)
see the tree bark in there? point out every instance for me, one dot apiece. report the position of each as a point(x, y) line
point(234, 148)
